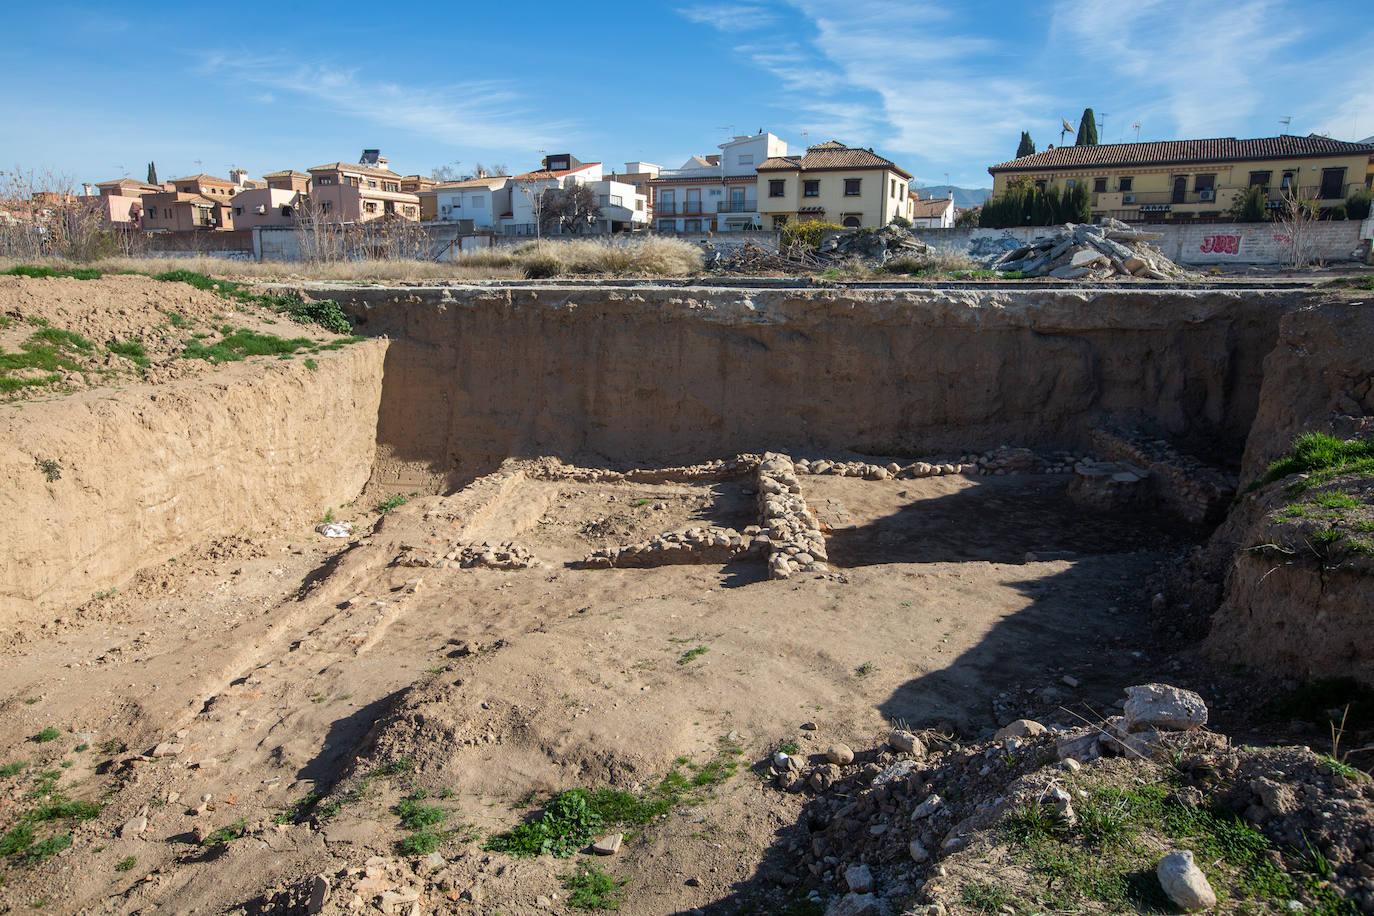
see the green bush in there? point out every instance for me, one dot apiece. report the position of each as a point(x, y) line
point(809, 233)
point(1357, 204)
point(326, 313)
point(1336, 212)
point(1250, 206)
point(901, 222)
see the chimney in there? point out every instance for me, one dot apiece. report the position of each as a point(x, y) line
point(481, 173)
point(88, 188)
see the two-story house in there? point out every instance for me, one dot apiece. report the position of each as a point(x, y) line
point(219, 189)
point(483, 200)
point(620, 207)
point(832, 183)
point(178, 211)
point(717, 192)
point(1183, 179)
point(931, 212)
point(348, 193)
point(121, 201)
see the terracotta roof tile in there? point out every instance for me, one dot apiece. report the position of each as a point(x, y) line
point(831, 155)
point(929, 209)
point(1220, 149)
point(545, 173)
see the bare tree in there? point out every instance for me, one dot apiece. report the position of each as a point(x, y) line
point(449, 172)
point(319, 239)
point(1294, 223)
point(44, 217)
point(497, 169)
point(574, 209)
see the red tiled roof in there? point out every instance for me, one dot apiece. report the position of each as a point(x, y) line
point(204, 179)
point(354, 167)
point(1220, 149)
point(831, 155)
point(928, 209)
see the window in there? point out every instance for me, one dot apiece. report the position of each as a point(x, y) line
point(1040, 185)
point(665, 225)
point(1260, 179)
point(691, 225)
point(852, 222)
point(1333, 183)
point(779, 222)
point(324, 180)
point(1204, 182)
point(478, 200)
point(326, 205)
point(713, 192)
point(851, 187)
point(639, 203)
point(238, 211)
point(286, 211)
point(1099, 185)
point(389, 186)
point(1287, 180)
point(1125, 183)
point(812, 188)
point(746, 159)
point(776, 187)
point(1069, 184)
point(370, 206)
point(892, 190)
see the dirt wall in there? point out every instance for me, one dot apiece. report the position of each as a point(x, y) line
point(1319, 376)
point(147, 472)
point(474, 375)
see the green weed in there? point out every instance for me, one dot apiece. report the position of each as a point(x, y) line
point(985, 896)
point(566, 825)
point(1321, 457)
point(75, 273)
point(13, 769)
point(226, 835)
point(691, 654)
point(422, 842)
point(391, 502)
point(415, 815)
point(131, 350)
point(50, 468)
point(241, 344)
point(46, 735)
point(311, 364)
point(590, 888)
point(126, 864)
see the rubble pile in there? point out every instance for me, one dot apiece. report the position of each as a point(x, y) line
point(1102, 252)
point(877, 246)
point(907, 826)
point(795, 542)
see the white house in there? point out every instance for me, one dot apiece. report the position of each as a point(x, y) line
point(717, 192)
point(931, 212)
point(483, 200)
point(622, 207)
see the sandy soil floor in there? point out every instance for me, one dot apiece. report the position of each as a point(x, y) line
point(279, 667)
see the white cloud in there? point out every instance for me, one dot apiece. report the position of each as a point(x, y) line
point(729, 17)
point(485, 115)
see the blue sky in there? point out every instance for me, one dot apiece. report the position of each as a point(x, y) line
point(95, 91)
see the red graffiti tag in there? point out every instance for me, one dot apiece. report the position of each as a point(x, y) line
point(1220, 244)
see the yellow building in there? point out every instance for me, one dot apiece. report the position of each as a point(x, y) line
point(1183, 179)
point(834, 183)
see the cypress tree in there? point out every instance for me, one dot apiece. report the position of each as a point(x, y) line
point(152, 173)
point(1087, 129)
point(1027, 146)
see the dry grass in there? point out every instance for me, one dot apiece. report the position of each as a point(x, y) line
point(643, 257)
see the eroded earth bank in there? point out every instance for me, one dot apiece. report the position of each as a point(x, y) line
point(751, 577)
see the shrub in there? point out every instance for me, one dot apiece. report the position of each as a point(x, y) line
point(1250, 206)
point(901, 222)
point(1336, 212)
point(809, 233)
point(1357, 204)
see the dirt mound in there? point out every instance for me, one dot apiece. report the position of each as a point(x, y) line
point(975, 828)
point(63, 334)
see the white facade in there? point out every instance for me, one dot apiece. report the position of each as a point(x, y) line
point(482, 200)
point(700, 197)
point(931, 213)
point(526, 189)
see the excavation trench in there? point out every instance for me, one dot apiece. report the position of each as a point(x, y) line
point(458, 379)
point(577, 421)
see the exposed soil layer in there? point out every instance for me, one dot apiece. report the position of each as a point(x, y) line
point(245, 703)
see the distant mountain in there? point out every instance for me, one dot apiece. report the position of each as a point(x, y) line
point(963, 197)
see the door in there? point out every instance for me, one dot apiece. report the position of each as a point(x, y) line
point(1333, 182)
point(693, 203)
point(1180, 188)
point(737, 200)
point(666, 200)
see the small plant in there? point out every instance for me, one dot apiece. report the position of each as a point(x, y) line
point(985, 896)
point(789, 747)
point(46, 735)
point(590, 888)
point(126, 864)
point(566, 825)
point(415, 815)
point(132, 350)
point(226, 835)
point(328, 517)
point(391, 502)
point(311, 364)
point(326, 313)
point(421, 842)
point(13, 769)
point(51, 470)
point(865, 669)
point(691, 654)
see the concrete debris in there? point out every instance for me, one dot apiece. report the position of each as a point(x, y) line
point(1110, 250)
point(1164, 707)
point(1184, 882)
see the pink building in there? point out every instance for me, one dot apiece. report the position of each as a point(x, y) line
point(121, 202)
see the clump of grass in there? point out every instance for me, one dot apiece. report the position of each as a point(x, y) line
point(415, 815)
point(13, 769)
point(985, 896)
point(241, 344)
point(326, 313)
point(865, 669)
point(1321, 457)
point(126, 864)
point(692, 654)
point(311, 364)
point(421, 842)
point(590, 888)
point(132, 350)
point(226, 835)
point(50, 468)
point(46, 735)
point(75, 273)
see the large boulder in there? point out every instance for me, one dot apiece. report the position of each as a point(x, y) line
point(1164, 707)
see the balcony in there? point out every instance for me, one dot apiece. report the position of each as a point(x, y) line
point(1219, 198)
point(682, 208)
point(737, 206)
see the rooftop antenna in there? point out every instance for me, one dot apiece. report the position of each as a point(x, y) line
point(1136, 128)
point(1286, 120)
point(199, 167)
point(729, 130)
point(1102, 125)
